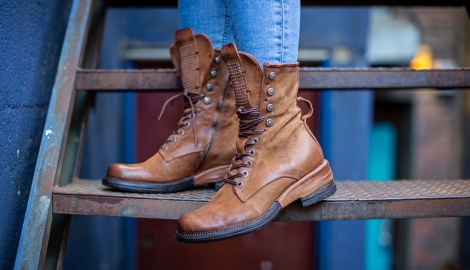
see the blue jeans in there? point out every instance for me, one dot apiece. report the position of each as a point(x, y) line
point(268, 30)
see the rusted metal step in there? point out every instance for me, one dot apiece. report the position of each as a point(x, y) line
point(310, 78)
point(353, 200)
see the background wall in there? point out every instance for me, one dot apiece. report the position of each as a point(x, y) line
point(31, 35)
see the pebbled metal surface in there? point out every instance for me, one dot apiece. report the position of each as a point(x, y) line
point(95, 188)
point(353, 200)
point(310, 78)
point(400, 190)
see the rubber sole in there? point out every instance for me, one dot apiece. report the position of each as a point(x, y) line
point(230, 232)
point(321, 193)
point(144, 187)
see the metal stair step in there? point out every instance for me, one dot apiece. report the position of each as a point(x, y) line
point(353, 200)
point(310, 78)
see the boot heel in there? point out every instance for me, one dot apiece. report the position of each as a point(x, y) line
point(320, 194)
point(314, 187)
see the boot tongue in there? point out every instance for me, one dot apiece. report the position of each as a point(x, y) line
point(245, 76)
point(184, 52)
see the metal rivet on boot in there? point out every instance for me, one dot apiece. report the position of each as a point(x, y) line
point(180, 132)
point(239, 184)
point(271, 91)
point(164, 147)
point(217, 60)
point(207, 100)
point(245, 174)
point(270, 107)
point(249, 163)
point(209, 87)
point(272, 75)
point(252, 152)
point(186, 124)
point(173, 139)
point(254, 141)
point(269, 122)
point(213, 73)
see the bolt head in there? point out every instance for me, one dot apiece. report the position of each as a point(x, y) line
point(269, 122)
point(270, 107)
point(271, 91)
point(207, 100)
point(209, 87)
point(272, 75)
point(217, 60)
point(213, 73)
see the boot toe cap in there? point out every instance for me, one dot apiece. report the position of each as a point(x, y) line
point(127, 172)
point(116, 170)
point(189, 222)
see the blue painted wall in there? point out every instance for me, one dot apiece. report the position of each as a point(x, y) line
point(31, 35)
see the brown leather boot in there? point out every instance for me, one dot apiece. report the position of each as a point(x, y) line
point(278, 159)
point(200, 148)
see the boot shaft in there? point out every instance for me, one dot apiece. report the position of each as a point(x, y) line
point(203, 73)
point(282, 146)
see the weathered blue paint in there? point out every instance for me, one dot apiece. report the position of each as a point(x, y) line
point(31, 36)
point(34, 235)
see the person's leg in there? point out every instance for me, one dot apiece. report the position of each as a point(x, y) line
point(268, 30)
point(208, 17)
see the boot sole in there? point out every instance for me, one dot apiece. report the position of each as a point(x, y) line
point(321, 174)
point(207, 177)
point(144, 187)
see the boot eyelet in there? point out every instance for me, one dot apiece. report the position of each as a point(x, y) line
point(269, 122)
point(173, 139)
point(213, 73)
point(272, 75)
point(209, 87)
point(186, 124)
point(252, 152)
point(239, 184)
point(245, 174)
point(180, 132)
point(271, 91)
point(164, 147)
point(190, 115)
point(207, 100)
point(249, 163)
point(254, 141)
point(270, 107)
point(217, 60)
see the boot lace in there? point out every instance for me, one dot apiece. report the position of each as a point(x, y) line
point(190, 99)
point(249, 120)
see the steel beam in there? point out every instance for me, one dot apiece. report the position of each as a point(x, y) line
point(353, 200)
point(310, 78)
point(36, 227)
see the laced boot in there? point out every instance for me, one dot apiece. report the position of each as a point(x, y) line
point(200, 148)
point(277, 161)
